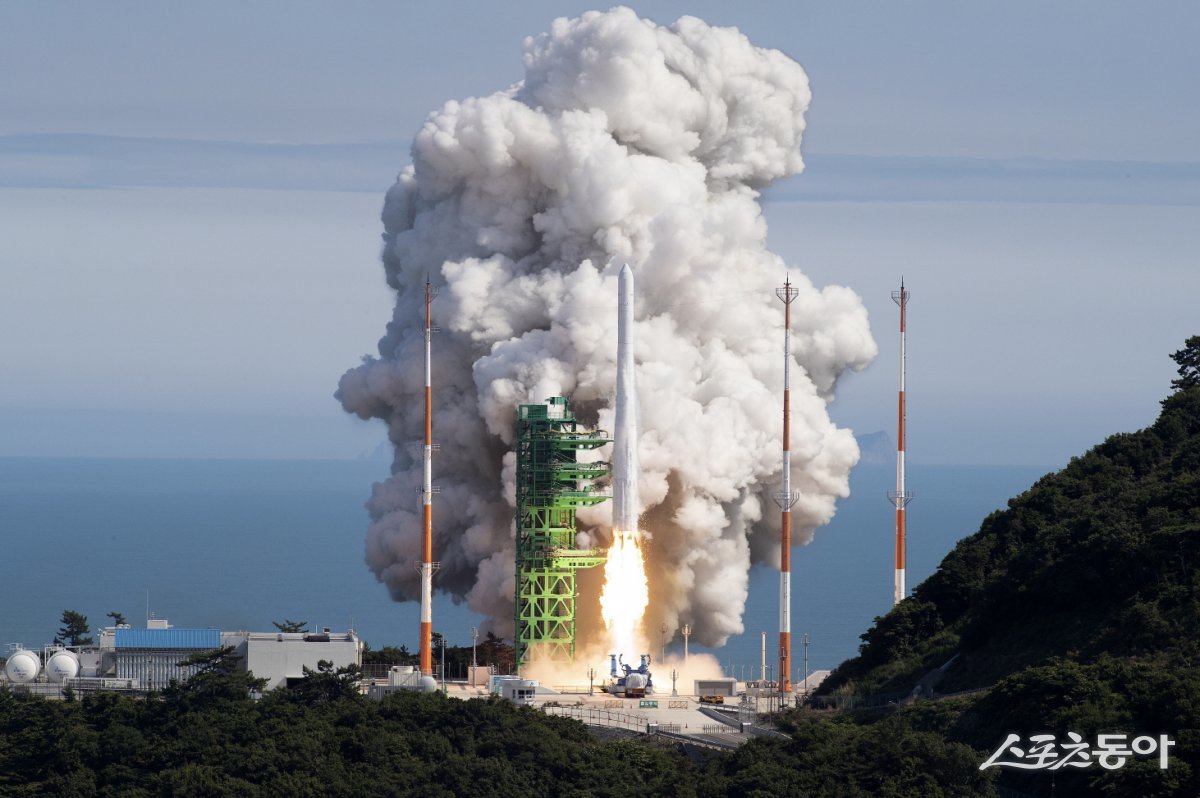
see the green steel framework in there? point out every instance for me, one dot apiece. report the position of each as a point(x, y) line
point(551, 485)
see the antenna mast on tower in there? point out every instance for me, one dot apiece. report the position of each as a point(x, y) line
point(900, 496)
point(786, 498)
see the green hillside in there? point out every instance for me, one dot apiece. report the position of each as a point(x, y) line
point(1078, 606)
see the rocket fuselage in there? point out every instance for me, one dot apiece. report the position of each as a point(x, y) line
point(626, 503)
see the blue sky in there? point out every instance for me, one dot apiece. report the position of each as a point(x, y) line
point(189, 201)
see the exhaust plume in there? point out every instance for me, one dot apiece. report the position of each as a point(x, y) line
point(631, 141)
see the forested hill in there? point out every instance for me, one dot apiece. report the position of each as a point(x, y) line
point(1078, 606)
point(1101, 559)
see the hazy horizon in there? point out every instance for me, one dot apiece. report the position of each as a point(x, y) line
point(191, 255)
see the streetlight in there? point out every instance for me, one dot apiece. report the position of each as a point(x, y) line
point(444, 666)
point(474, 663)
point(806, 667)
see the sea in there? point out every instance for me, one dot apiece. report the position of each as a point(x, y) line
point(238, 544)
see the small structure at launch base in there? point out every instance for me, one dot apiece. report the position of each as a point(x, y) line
point(628, 681)
point(551, 485)
point(22, 666)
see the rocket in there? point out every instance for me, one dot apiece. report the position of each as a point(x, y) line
point(626, 503)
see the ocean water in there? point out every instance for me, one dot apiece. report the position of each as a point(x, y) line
point(237, 544)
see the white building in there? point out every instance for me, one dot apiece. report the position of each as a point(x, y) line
point(281, 657)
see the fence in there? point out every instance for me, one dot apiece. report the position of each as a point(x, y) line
point(845, 702)
point(880, 700)
point(717, 728)
point(593, 716)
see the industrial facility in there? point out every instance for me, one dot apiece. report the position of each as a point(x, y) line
point(149, 659)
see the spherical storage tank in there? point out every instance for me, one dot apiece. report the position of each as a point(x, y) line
point(62, 665)
point(428, 684)
point(22, 666)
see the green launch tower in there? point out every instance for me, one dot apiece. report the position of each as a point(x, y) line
point(551, 485)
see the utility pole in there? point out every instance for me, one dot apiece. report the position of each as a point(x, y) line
point(663, 654)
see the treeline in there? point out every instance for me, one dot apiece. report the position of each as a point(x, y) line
point(490, 651)
point(322, 738)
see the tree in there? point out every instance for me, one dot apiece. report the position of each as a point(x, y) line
point(117, 618)
point(326, 684)
point(291, 626)
point(219, 677)
point(1188, 360)
point(74, 631)
point(389, 655)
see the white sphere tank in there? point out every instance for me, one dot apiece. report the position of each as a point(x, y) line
point(62, 666)
point(635, 681)
point(428, 684)
point(22, 666)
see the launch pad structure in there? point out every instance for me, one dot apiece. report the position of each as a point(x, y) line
point(551, 485)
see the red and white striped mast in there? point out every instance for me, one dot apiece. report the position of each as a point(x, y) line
point(786, 498)
point(427, 491)
point(900, 496)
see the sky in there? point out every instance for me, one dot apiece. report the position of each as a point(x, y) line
point(190, 193)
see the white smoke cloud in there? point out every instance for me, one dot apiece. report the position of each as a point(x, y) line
point(625, 140)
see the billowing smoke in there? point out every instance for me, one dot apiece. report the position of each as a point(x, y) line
point(625, 140)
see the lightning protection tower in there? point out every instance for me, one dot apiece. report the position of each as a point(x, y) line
point(551, 485)
point(786, 498)
point(900, 496)
point(427, 566)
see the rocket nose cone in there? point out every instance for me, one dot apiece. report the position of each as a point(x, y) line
point(626, 271)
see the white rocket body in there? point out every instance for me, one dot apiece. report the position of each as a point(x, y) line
point(626, 502)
